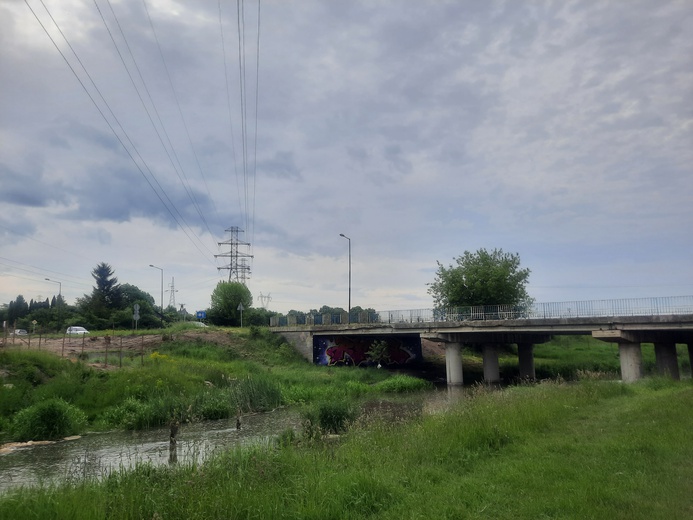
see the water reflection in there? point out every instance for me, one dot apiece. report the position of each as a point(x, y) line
point(98, 454)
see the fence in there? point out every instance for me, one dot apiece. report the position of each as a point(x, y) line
point(670, 305)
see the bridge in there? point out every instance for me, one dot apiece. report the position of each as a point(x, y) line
point(627, 323)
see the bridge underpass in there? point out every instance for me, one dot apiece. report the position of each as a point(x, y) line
point(665, 331)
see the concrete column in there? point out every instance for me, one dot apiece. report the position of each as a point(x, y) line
point(631, 361)
point(667, 360)
point(525, 355)
point(453, 363)
point(491, 366)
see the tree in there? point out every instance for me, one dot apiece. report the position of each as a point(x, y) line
point(481, 278)
point(225, 300)
point(104, 299)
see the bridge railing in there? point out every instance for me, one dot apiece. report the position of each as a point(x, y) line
point(574, 309)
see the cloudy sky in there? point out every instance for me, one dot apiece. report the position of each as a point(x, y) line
point(135, 132)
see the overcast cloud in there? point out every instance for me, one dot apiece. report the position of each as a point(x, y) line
point(558, 130)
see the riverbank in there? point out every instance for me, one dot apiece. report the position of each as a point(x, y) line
point(555, 450)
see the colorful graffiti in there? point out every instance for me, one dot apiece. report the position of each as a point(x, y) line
point(353, 351)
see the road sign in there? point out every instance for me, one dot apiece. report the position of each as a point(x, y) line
point(136, 316)
point(201, 315)
point(136, 307)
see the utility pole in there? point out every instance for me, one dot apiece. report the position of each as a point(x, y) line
point(238, 268)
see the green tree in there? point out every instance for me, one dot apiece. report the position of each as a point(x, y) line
point(225, 300)
point(105, 298)
point(481, 278)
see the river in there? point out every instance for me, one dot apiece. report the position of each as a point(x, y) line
point(95, 455)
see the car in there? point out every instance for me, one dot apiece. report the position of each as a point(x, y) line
point(19, 332)
point(76, 330)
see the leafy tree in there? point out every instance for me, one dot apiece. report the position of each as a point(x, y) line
point(131, 294)
point(326, 309)
point(258, 317)
point(225, 300)
point(481, 278)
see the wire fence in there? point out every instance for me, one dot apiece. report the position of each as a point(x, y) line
point(669, 305)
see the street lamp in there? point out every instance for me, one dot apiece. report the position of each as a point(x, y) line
point(162, 293)
point(59, 302)
point(60, 287)
point(344, 236)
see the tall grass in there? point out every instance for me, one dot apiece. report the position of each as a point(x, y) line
point(587, 450)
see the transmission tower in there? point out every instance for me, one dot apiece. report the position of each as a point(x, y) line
point(172, 297)
point(238, 268)
point(264, 300)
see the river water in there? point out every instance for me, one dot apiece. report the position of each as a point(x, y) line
point(97, 454)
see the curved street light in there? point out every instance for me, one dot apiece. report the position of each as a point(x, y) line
point(344, 236)
point(60, 287)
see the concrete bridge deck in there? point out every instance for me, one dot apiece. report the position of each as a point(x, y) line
point(665, 331)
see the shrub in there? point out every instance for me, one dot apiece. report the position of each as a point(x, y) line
point(48, 420)
point(329, 417)
point(401, 383)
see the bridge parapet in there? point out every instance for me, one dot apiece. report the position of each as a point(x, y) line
point(621, 308)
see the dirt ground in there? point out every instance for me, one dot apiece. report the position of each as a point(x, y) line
point(72, 347)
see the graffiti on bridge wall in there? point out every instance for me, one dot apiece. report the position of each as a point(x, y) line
point(353, 350)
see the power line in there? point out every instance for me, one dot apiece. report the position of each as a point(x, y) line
point(180, 111)
point(103, 115)
point(186, 184)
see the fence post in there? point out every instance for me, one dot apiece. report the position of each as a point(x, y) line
point(142, 349)
point(62, 351)
point(121, 352)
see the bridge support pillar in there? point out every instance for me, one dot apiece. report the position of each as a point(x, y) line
point(666, 359)
point(453, 363)
point(525, 355)
point(491, 366)
point(630, 355)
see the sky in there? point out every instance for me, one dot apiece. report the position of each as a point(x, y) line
point(136, 132)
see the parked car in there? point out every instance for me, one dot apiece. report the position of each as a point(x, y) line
point(19, 332)
point(77, 330)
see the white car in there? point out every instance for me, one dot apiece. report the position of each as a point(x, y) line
point(76, 330)
point(19, 332)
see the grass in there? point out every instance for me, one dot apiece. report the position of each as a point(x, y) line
point(183, 380)
point(588, 450)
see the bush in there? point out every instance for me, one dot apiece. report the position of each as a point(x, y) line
point(49, 420)
point(329, 417)
point(401, 383)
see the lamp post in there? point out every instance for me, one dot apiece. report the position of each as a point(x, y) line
point(344, 236)
point(60, 287)
point(59, 302)
point(162, 293)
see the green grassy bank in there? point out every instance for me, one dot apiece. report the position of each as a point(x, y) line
point(45, 397)
point(586, 450)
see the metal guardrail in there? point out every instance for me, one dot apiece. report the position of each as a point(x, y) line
point(669, 305)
